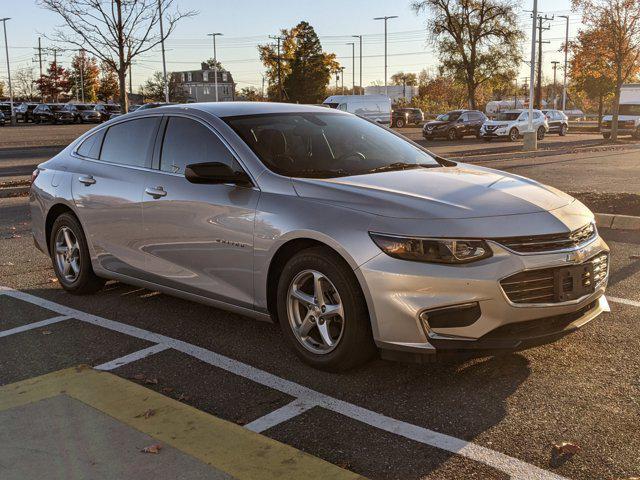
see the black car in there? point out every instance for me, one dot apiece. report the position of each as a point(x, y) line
point(2, 120)
point(406, 116)
point(558, 122)
point(79, 113)
point(47, 112)
point(108, 111)
point(5, 108)
point(24, 112)
point(455, 124)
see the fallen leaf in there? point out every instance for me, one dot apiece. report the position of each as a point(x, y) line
point(155, 448)
point(53, 280)
point(566, 448)
point(149, 413)
point(182, 397)
point(151, 381)
point(46, 332)
point(167, 389)
point(138, 376)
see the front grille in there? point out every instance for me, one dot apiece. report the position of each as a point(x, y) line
point(549, 285)
point(549, 243)
point(490, 128)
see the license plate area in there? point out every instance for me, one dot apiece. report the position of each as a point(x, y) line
point(573, 282)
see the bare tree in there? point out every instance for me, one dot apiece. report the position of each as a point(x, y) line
point(618, 41)
point(115, 31)
point(25, 83)
point(477, 39)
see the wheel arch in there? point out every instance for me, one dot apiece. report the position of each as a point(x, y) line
point(54, 212)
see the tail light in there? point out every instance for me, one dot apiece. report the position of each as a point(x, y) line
point(34, 175)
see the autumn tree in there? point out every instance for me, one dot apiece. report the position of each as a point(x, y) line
point(1, 89)
point(618, 42)
point(250, 94)
point(84, 77)
point(303, 69)
point(108, 89)
point(476, 39)
point(115, 31)
point(210, 62)
point(402, 78)
point(153, 88)
point(588, 69)
point(54, 82)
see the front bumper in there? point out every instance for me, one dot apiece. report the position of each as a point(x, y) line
point(403, 290)
point(498, 133)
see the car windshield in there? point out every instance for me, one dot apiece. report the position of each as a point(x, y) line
point(448, 117)
point(629, 109)
point(507, 116)
point(326, 145)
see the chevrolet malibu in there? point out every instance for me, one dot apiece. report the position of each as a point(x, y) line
point(351, 237)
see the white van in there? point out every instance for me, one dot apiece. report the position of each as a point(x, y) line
point(628, 113)
point(372, 107)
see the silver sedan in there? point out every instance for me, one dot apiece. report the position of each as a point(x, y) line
point(355, 239)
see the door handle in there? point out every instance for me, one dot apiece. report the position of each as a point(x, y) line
point(155, 192)
point(87, 179)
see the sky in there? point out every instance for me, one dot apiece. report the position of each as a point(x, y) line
point(247, 23)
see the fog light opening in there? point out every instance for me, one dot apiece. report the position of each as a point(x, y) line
point(451, 317)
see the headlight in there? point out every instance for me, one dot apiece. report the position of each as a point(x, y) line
point(432, 250)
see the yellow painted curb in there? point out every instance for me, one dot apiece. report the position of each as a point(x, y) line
point(228, 447)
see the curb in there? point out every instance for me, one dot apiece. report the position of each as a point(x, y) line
point(17, 191)
point(617, 222)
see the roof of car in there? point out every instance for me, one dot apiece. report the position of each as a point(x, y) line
point(232, 109)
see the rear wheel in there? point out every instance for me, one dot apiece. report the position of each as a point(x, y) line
point(400, 123)
point(70, 257)
point(563, 129)
point(606, 135)
point(452, 134)
point(322, 311)
point(513, 134)
point(540, 133)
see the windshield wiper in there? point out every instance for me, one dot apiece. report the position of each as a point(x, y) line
point(320, 173)
point(400, 166)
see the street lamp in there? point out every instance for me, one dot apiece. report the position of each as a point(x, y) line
point(566, 51)
point(342, 78)
point(215, 62)
point(164, 63)
point(360, 38)
point(386, 90)
point(353, 67)
point(6, 47)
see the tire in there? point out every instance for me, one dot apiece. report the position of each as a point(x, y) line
point(563, 130)
point(540, 133)
point(513, 134)
point(606, 135)
point(400, 123)
point(85, 280)
point(452, 134)
point(353, 341)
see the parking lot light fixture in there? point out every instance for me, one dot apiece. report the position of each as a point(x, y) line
point(6, 48)
point(359, 37)
point(215, 62)
point(386, 89)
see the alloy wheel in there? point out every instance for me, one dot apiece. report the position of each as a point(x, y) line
point(315, 312)
point(67, 254)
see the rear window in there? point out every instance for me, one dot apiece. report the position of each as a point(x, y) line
point(129, 143)
point(90, 147)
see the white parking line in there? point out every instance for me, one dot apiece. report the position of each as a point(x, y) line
point(281, 415)
point(31, 326)
point(132, 357)
point(517, 469)
point(624, 301)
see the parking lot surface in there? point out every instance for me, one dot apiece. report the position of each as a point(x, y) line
point(489, 417)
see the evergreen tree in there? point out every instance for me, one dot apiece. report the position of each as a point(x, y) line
point(54, 83)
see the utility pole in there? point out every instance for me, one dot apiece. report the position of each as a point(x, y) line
point(342, 78)
point(555, 67)
point(263, 87)
point(279, 39)
point(82, 73)
point(164, 62)
point(541, 28)
point(353, 67)
point(386, 89)
point(530, 138)
point(215, 62)
point(360, 38)
point(566, 51)
point(6, 48)
point(130, 84)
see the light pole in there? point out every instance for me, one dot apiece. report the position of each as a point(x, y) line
point(164, 63)
point(555, 89)
point(342, 78)
point(6, 48)
point(360, 38)
point(530, 137)
point(215, 62)
point(566, 51)
point(386, 90)
point(353, 67)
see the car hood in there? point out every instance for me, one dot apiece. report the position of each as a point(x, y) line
point(435, 123)
point(463, 191)
point(499, 122)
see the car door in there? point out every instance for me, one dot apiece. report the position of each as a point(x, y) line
point(477, 119)
point(555, 121)
point(108, 187)
point(198, 237)
point(462, 125)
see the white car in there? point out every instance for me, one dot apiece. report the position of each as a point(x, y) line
point(376, 108)
point(512, 124)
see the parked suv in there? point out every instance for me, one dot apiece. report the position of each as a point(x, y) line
point(80, 113)
point(512, 124)
point(455, 124)
point(2, 120)
point(24, 112)
point(402, 117)
point(558, 122)
point(108, 111)
point(46, 112)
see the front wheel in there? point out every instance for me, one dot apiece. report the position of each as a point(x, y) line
point(70, 257)
point(606, 135)
point(563, 129)
point(514, 134)
point(540, 133)
point(400, 123)
point(322, 311)
point(452, 134)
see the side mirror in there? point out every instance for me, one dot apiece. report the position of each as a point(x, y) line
point(460, 120)
point(215, 173)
